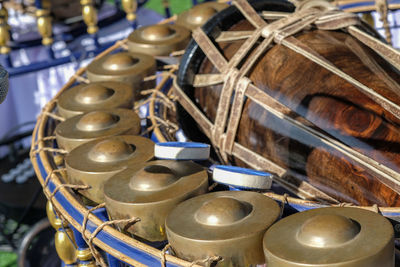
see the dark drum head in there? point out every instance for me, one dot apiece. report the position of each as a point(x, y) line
point(194, 56)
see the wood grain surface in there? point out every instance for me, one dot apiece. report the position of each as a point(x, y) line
point(331, 104)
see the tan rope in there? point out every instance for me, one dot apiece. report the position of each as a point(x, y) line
point(50, 174)
point(80, 78)
point(53, 116)
point(284, 202)
point(71, 186)
point(100, 260)
point(178, 53)
point(167, 123)
point(163, 252)
point(150, 78)
point(164, 99)
point(382, 8)
point(211, 187)
point(96, 254)
point(44, 139)
point(207, 260)
point(49, 149)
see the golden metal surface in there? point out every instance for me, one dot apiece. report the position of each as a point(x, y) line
point(126, 67)
point(55, 222)
point(158, 40)
point(89, 14)
point(130, 7)
point(150, 191)
point(84, 254)
point(198, 15)
point(64, 243)
point(94, 162)
point(4, 31)
point(83, 128)
point(230, 224)
point(367, 17)
point(94, 96)
point(44, 25)
point(345, 237)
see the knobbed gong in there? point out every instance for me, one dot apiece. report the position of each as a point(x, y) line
point(126, 67)
point(199, 14)
point(96, 161)
point(158, 40)
point(229, 224)
point(151, 191)
point(331, 237)
point(100, 123)
point(98, 95)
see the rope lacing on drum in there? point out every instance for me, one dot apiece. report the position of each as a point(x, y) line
point(222, 132)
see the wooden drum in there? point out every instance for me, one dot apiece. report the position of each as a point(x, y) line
point(301, 95)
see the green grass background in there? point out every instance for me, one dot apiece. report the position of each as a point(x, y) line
point(176, 6)
point(9, 259)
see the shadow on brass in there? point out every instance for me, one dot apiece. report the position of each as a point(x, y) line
point(198, 15)
point(229, 224)
point(151, 191)
point(94, 162)
point(158, 40)
point(81, 129)
point(99, 95)
point(126, 67)
point(345, 237)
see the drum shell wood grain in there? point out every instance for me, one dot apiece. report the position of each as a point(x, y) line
point(330, 103)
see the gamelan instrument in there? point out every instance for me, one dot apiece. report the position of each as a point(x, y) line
point(150, 191)
point(94, 162)
point(158, 40)
point(228, 224)
point(274, 110)
point(330, 237)
point(198, 15)
point(92, 125)
point(126, 67)
point(303, 96)
point(93, 96)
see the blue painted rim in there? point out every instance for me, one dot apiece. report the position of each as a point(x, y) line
point(365, 4)
point(124, 248)
point(184, 144)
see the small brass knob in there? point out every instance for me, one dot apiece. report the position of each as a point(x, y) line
point(89, 14)
point(4, 31)
point(55, 222)
point(44, 26)
point(65, 247)
point(84, 254)
point(130, 7)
